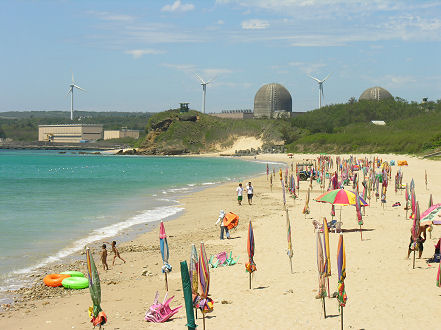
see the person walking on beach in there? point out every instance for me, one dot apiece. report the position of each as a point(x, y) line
point(239, 191)
point(419, 242)
point(115, 252)
point(104, 257)
point(250, 190)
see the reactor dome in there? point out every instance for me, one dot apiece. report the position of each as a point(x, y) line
point(375, 94)
point(271, 101)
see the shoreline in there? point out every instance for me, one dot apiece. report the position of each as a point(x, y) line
point(373, 303)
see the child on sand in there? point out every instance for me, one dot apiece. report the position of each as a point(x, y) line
point(115, 252)
point(104, 257)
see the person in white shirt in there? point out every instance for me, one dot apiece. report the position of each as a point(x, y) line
point(222, 227)
point(250, 191)
point(239, 193)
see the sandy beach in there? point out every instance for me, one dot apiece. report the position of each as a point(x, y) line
point(384, 292)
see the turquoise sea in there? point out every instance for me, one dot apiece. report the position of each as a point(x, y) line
point(53, 204)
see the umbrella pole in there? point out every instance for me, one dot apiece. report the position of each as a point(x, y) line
point(250, 281)
point(203, 319)
point(413, 259)
point(324, 307)
point(290, 264)
point(341, 316)
point(361, 234)
point(166, 282)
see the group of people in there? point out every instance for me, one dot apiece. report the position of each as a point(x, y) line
point(104, 255)
point(250, 192)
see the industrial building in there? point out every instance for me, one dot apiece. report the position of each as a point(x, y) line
point(122, 133)
point(375, 94)
point(235, 114)
point(272, 101)
point(70, 133)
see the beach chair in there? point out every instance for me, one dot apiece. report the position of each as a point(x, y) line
point(158, 312)
point(317, 226)
point(331, 224)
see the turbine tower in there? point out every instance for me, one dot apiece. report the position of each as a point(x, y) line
point(71, 91)
point(204, 89)
point(320, 83)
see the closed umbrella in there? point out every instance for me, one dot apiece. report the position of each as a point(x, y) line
point(166, 268)
point(416, 230)
point(321, 272)
point(250, 266)
point(186, 288)
point(193, 272)
point(204, 303)
point(341, 266)
point(98, 316)
point(327, 251)
point(289, 251)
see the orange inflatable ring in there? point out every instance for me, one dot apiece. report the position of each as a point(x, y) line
point(54, 279)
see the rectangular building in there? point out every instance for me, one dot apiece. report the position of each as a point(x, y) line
point(118, 134)
point(70, 133)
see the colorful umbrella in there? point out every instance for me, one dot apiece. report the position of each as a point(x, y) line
point(321, 271)
point(283, 190)
point(431, 214)
point(97, 314)
point(326, 247)
point(341, 265)
point(194, 271)
point(250, 266)
point(340, 197)
point(289, 251)
point(166, 268)
point(416, 230)
point(204, 303)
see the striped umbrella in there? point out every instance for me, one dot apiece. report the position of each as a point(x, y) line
point(166, 268)
point(194, 271)
point(321, 271)
point(289, 251)
point(340, 197)
point(341, 265)
point(97, 314)
point(250, 266)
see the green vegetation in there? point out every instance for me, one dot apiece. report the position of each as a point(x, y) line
point(195, 132)
point(23, 126)
point(411, 128)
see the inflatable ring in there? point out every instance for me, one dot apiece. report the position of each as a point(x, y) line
point(73, 273)
point(54, 280)
point(76, 283)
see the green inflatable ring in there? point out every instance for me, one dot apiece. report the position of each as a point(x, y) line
point(73, 273)
point(76, 283)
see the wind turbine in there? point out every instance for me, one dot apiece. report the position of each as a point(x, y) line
point(204, 89)
point(71, 91)
point(320, 83)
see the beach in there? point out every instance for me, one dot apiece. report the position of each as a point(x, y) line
point(383, 290)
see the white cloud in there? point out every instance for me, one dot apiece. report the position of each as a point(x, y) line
point(254, 24)
point(220, 22)
point(308, 68)
point(138, 53)
point(178, 6)
point(181, 67)
point(213, 72)
point(107, 16)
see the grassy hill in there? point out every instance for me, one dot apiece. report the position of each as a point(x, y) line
point(411, 128)
point(174, 132)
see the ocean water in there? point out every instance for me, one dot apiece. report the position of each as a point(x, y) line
point(52, 204)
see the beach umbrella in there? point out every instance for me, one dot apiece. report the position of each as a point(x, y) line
point(321, 271)
point(433, 214)
point(306, 207)
point(327, 251)
point(204, 303)
point(166, 268)
point(358, 211)
point(416, 230)
point(97, 314)
point(289, 251)
point(412, 185)
point(187, 289)
point(340, 197)
point(283, 192)
point(413, 201)
point(341, 266)
point(250, 266)
point(407, 197)
point(194, 278)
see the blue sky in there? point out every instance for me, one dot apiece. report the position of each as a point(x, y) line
point(142, 55)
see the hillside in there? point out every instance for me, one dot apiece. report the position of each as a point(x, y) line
point(411, 128)
point(171, 132)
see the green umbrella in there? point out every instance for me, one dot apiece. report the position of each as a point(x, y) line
point(98, 316)
point(186, 287)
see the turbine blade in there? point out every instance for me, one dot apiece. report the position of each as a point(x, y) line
point(72, 78)
point(79, 88)
point(202, 80)
point(70, 91)
point(326, 77)
point(211, 80)
point(314, 78)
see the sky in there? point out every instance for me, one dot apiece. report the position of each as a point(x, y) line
point(142, 55)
